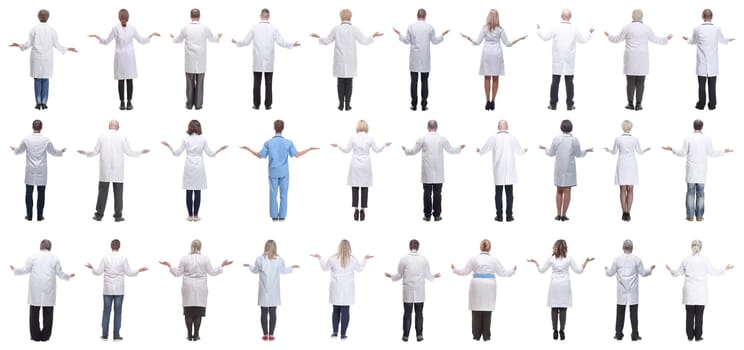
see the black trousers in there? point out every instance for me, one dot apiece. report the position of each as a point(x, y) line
point(344, 92)
point(103, 188)
point(711, 92)
point(268, 319)
point(130, 89)
point(355, 191)
point(555, 314)
point(408, 309)
point(257, 89)
point(500, 200)
point(194, 90)
point(694, 321)
point(193, 202)
point(39, 202)
point(635, 86)
point(481, 325)
point(432, 200)
point(424, 88)
point(620, 321)
point(40, 334)
point(555, 84)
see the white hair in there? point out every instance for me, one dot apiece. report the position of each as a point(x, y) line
point(627, 125)
point(697, 245)
point(628, 245)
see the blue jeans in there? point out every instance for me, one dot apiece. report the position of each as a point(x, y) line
point(117, 300)
point(340, 315)
point(695, 200)
point(41, 90)
point(278, 211)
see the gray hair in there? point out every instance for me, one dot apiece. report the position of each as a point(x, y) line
point(637, 15)
point(627, 125)
point(628, 245)
point(696, 246)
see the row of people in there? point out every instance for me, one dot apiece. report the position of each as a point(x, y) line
point(113, 146)
point(413, 269)
point(419, 36)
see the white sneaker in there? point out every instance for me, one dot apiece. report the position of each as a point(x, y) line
point(190, 218)
point(196, 218)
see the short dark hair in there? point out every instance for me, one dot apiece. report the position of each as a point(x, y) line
point(566, 126)
point(697, 125)
point(195, 13)
point(432, 125)
point(707, 14)
point(421, 13)
point(43, 16)
point(36, 125)
point(265, 12)
point(194, 127)
point(45, 245)
point(115, 244)
point(413, 244)
point(278, 126)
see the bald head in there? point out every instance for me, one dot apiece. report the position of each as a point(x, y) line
point(114, 125)
point(566, 15)
point(503, 125)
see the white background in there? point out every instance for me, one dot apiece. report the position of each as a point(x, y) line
point(234, 210)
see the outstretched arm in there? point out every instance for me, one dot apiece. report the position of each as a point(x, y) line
point(252, 151)
point(301, 153)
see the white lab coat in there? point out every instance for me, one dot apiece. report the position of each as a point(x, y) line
point(42, 284)
point(707, 37)
point(263, 36)
point(627, 267)
point(636, 36)
point(112, 146)
point(194, 268)
point(42, 39)
point(194, 175)
point(565, 148)
point(268, 271)
point(559, 293)
point(433, 146)
point(341, 289)
point(114, 267)
point(420, 36)
point(414, 270)
point(492, 57)
point(360, 169)
point(696, 269)
point(626, 172)
point(125, 64)
point(697, 148)
point(564, 36)
point(504, 146)
point(194, 36)
point(482, 294)
point(36, 147)
point(345, 53)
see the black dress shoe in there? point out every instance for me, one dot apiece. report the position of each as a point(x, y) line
point(558, 218)
point(122, 106)
point(638, 107)
point(699, 107)
point(96, 218)
point(699, 339)
point(488, 105)
point(551, 107)
point(361, 215)
point(564, 218)
point(509, 218)
point(119, 219)
point(255, 107)
point(618, 337)
point(493, 105)
point(625, 217)
point(419, 338)
point(711, 108)
point(499, 218)
point(28, 218)
point(630, 106)
point(196, 337)
point(40, 218)
point(38, 106)
point(563, 335)
point(189, 338)
point(44, 106)
point(636, 338)
point(197, 108)
point(427, 218)
point(570, 108)
point(424, 109)
point(437, 218)
point(341, 107)
point(405, 338)
point(268, 108)
point(129, 106)
point(348, 108)
point(356, 214)
point(555, 335)
point(413, 108)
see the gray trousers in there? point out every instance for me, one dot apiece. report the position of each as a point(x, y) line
point(103, 188)
point(194, 90)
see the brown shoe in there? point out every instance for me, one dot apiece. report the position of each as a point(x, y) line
point(699, 219)
point(689, 219)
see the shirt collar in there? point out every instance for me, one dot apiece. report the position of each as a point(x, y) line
point(266, 22)
point(503, 132)
point(346, 22)
point(565, 22)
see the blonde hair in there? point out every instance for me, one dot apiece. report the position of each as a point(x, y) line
point(196, 246)
point(362, 126)
point(345, 15)
point(485, 245)
point(344, 253)
point(492, 21)
point(627, 125)
point(270, 249)
point(697, 245)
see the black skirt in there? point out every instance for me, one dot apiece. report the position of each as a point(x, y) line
point(195, 311)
